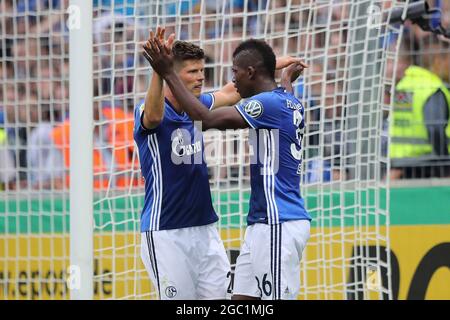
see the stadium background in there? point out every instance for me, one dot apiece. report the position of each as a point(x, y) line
point(34, 218)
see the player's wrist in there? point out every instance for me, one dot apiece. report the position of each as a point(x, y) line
point(170, 76)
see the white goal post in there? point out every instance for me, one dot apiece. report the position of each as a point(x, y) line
point(81, 139)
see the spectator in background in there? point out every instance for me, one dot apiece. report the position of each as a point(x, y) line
point(439, 55)
point(419, 130)
point(114, 57)
point(34, 89)
point(122, 7)
point(20, 117)
point(326, 140)
point(6, 160)
point(7, 168)
point(49, 152)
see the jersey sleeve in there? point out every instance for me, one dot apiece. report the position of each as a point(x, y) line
point(260, 112)
point(138, 124)
point(207, 99)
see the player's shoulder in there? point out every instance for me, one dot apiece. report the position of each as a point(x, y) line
point(261, 103)
point(207, 99)
point(139, 107)
point(273, 94)
point(209, 95)
point(138, 111)
point(268, 99)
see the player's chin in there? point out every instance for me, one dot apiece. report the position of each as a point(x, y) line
point(197, 91)
point(244, 94)
point(241, 92)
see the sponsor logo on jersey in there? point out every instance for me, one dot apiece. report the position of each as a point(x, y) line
point(253, 108)
point(180, 149)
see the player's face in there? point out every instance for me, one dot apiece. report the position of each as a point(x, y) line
point(240, 80)
point(191, 73)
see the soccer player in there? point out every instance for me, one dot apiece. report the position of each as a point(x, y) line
point(181, 248)
point(278, 224)
point(268, 266)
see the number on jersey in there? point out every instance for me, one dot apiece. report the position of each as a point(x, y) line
point(297, 153)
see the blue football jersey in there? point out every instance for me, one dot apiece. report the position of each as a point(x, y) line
point(177, 193)
point(278, 119)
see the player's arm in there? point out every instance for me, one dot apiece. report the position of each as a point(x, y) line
point(290, 74)
point(161, 59)
point(285, 61)
point(154, 99)
point(222, 118)
point(228, 96)
point(154, 103)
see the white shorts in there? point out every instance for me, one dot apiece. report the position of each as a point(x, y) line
point(268, 266)
point(187, 263)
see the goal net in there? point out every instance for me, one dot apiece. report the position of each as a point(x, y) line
point(351, 53)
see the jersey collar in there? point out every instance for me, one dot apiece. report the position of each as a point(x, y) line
point(182, 114)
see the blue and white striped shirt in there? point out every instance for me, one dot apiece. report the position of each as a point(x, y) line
point(278, 119)
point(177, 193)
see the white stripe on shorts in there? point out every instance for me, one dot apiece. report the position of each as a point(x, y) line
point(152, 254)
point(275, 257)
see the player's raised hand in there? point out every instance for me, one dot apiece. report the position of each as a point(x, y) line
point(160, 56)
point(290, 74)
point(159, 35)
point(286, 61)
point(293, 71)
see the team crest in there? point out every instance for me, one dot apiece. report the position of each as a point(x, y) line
point(253, 108)
point(171, 292)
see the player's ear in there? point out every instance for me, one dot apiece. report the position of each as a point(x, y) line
point(251, 72)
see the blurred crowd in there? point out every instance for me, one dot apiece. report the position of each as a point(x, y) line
point(34, 89)
point(34, 94)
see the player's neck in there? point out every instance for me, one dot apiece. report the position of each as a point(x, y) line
point(265, 85)
point(174, 103)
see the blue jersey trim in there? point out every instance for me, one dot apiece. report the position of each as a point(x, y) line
point(213, 100)
point(243, 116)
point(141, 121)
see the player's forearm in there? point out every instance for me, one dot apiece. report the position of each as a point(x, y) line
point(286, 82)
point(191, 105)
point(290, 74)
point(224, 118)
point(283, 62)
point(227, 96)
point(154, 102)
